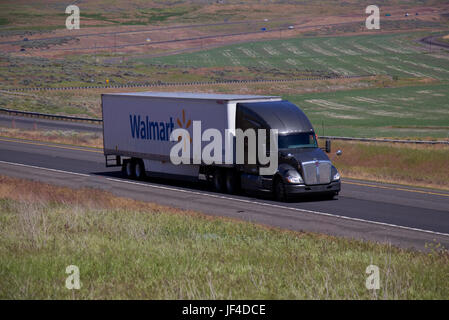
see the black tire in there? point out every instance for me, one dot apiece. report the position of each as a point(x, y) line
point(139, 170)
point(232, 182)
point(128, 169)
point(279, 190)
point(219, 181)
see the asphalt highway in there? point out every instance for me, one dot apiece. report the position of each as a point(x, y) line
point(404, 216)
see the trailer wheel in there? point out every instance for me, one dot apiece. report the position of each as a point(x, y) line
point(279, 190)
point(232, 182)
point(128, 169)
point(139, 169)
point(219, 180)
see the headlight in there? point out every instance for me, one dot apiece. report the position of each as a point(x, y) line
point(336, 177)
point(294, 179)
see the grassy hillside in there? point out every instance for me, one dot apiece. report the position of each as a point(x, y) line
point(184, 255)
point(397, 59)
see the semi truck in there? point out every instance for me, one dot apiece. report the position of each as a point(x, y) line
point(138, 128)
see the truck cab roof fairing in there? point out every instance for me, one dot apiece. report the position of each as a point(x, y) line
point(281, 115)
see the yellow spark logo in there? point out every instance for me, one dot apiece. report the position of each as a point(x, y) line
point(184, 125)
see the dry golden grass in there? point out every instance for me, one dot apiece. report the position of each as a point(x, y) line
point(409, 164)
point(37, 192)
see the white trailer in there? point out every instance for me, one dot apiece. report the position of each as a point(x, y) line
point(139, 124)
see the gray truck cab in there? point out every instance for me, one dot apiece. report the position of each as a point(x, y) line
point(303, 168)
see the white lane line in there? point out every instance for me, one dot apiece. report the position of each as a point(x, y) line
point(42, 168)
point(283, 207)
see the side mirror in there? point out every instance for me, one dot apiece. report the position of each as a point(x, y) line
point(339, 152)
point(328, 146)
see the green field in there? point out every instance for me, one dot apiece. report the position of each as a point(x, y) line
point(414, 111)
point(393, 54)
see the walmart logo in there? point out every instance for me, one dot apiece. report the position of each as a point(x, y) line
point(145, 129)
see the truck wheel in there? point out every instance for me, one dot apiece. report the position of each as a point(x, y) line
point(139, 170)
point(219, 180)
point(232, 182)
point(279, 190)
point(129, 169)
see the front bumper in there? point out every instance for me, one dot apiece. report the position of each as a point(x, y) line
point(301, 189)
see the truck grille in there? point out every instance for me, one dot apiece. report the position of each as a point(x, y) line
point(317, 172)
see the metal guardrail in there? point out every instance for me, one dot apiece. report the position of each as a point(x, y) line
point(49, 116)
point(175, 84)
point(99, 121)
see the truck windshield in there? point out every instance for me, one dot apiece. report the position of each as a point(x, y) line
point(297, 140)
